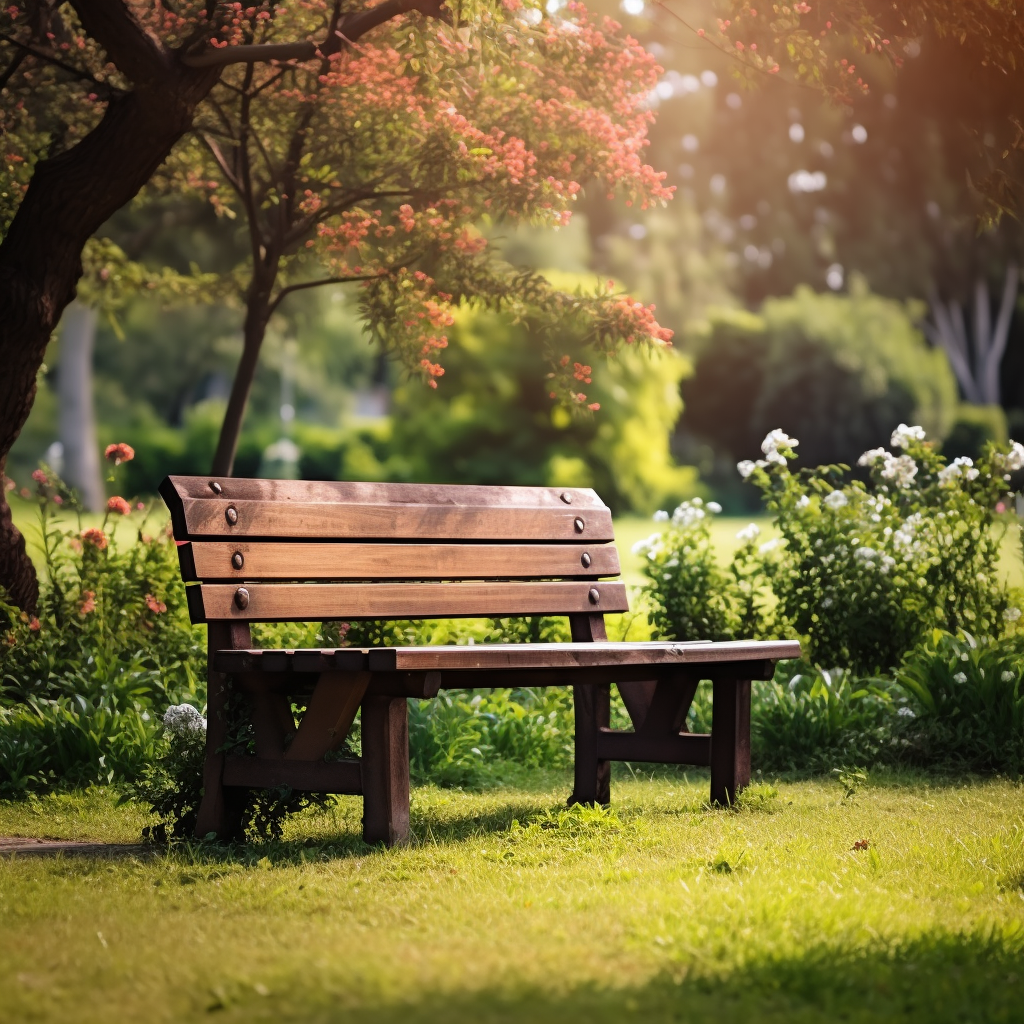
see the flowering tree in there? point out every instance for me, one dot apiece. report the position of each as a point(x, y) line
point(376, 164)
point(401, 123)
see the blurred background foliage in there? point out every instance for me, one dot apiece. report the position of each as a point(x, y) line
point(806, 265)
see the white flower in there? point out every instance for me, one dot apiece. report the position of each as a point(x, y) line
point(906, 712)
point(649, 546)
point(962, 467)
point(835, 500)
point(1007, 676)
point(748, 533)
point(864, 554)
point(961, 677)
point(887, 563)
point(827, 603)
point(661, 516)
point(903, 435)
point(769, 545)
point(803, 501)
point(745, 468)
point(1014, 460)
point(687, 514)
point(183, 719)
point(713, 506)
point(775, 440)
point(871, 457)
point(902, 469)
point(1011, 614)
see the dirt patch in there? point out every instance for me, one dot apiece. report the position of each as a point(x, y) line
point(51, 847)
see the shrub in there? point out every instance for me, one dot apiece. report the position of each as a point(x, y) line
point(111, 646)
point(966, 702)
point(863, 571)
point(839, 371)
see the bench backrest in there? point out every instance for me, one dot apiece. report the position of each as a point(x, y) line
point(280, 550)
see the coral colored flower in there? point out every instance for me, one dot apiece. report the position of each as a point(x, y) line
point(118, 453)
point(117, 504)
point(58, 500)
point(158, 607)
point(88, 602)
point(95, 536)
point(33, 624)
point(39, 476)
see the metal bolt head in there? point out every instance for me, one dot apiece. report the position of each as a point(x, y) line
point(579, 524)
point(594, 595)
point(215, 487)
point(238, 560)
point(231, 514)
point(242, 598)
point(566, 497)
point(585, 560)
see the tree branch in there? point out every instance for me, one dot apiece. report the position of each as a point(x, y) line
point(30, 50)
point(316, 284)
point(350, 28)
point(137, 54)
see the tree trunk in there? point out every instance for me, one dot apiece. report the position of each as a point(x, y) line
point(68, 198)
point(77, 419)
point(257, 316)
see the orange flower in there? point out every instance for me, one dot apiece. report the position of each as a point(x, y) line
point(116, 504)
point(33, 624)
point(158, 607)
point(118, 453)
point(95, 536)
point(88, 602)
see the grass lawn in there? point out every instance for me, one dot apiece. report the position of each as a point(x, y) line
point(660, 910)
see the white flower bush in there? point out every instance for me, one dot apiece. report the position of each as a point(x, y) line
point(862, 572)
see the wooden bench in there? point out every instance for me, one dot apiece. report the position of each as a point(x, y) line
point(276, 550)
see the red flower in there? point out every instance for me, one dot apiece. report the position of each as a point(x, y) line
point(88, 602)
point(39, 476)
point(117, 504)
point(95, 536)
point(118, 453)
point(33, 624)
point(158, 607)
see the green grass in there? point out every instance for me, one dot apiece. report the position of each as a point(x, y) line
point(659, 910)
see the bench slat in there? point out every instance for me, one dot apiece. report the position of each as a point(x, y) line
point(212, 560)
point(284, 602)
point(177, 488)
point(537, 656)
point(205, 518)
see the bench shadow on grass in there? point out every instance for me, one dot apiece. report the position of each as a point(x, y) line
point(938, 977)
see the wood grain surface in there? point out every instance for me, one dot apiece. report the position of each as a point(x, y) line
point(212, 560)
point(284, 602)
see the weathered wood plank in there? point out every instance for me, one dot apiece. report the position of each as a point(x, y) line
point(282, 602)
point(203, 518)
point(178, 488)
point(248, 560)
point(308, 776)
point(340, 659)
point(576, 655)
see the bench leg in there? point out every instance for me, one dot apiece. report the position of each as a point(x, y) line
point(592, 706)
point(220, 811)
point(730, 740)
point(385, 764)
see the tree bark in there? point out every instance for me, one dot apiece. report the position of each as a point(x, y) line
point(69, 197)
point(77, 418)
point(257, 316)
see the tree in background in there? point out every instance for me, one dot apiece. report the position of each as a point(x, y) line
point(839, 372)
point(97, 94)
